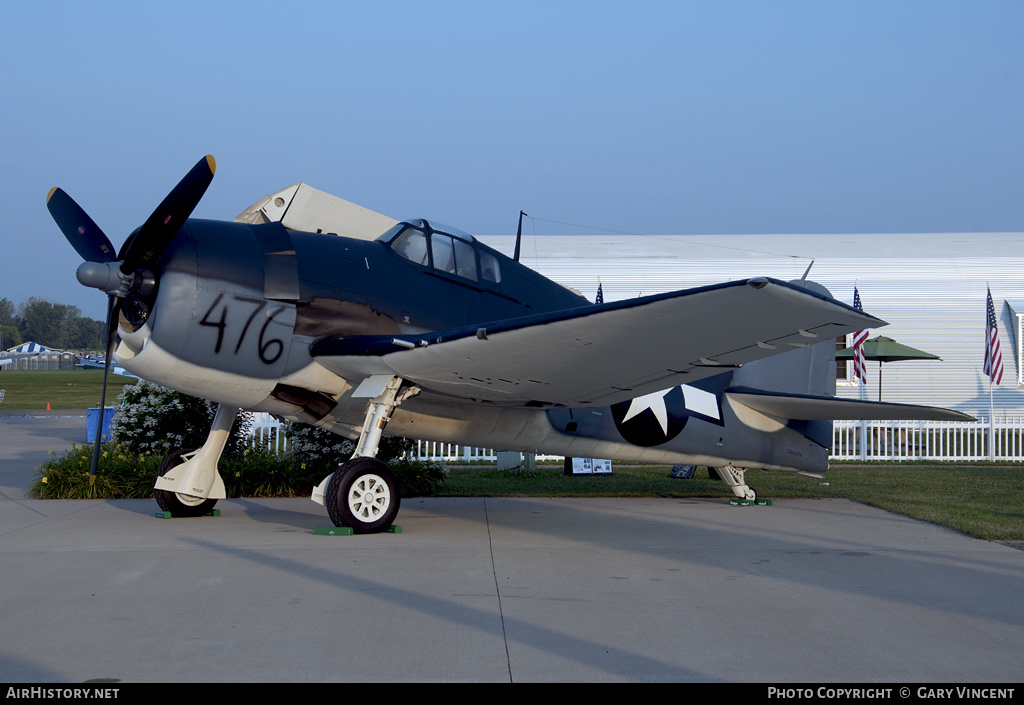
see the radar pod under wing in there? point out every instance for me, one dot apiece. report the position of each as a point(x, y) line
point(805, 407)
point(603, 354)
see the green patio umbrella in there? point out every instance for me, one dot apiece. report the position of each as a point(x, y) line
point(886, 350)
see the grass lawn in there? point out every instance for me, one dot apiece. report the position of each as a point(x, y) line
point(72, 389)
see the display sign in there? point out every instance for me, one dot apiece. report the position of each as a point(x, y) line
point(587, 466)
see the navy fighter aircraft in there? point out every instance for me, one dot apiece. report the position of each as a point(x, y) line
point(431, 334)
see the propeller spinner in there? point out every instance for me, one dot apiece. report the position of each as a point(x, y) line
point(128, 279)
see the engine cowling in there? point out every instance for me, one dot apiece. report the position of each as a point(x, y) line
point(207, 328)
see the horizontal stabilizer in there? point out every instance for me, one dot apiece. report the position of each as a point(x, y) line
point(823, 408)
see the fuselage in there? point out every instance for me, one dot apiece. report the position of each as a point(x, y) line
point(238, 308)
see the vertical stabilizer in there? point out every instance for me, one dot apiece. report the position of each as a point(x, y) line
point(808, 370)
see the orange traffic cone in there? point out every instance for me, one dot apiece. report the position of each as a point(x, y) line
point(47, 406)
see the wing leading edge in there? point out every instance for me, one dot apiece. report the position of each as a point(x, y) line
point(607, 353)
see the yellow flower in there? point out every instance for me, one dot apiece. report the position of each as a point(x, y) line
point(44, 480)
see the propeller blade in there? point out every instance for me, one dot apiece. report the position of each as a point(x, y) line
point(111, 332)
point(79, 229)
point(160, 228)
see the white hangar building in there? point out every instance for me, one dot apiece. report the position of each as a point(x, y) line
point(931, 288)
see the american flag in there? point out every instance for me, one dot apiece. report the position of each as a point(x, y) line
point(993, 358)
point(859, 369)
point(600, 294)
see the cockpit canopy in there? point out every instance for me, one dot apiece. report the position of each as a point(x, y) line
point(444, 249)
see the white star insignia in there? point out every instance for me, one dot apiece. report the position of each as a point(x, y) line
point(655, 402)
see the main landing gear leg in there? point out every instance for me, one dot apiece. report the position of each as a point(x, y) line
point(734, 478)
point(187, 482)
point(363, 492)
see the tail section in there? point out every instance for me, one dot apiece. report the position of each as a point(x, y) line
point(798, 388)
point(775, 413)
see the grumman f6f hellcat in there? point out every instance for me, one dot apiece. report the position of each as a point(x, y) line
point(368, 324)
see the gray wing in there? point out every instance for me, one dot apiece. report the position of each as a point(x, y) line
point(602, 354)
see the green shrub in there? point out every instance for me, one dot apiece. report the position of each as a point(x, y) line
point(153, 420)
point(316, 449)
point(157, 419)
point(261, 474)
point(324, 450)
point(417, 478)
point(121, 474)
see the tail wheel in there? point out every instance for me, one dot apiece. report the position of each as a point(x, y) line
point(363, 494)
point(180, 505)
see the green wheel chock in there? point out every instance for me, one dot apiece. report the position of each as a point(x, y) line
point(737, 502)
point(333, 531)
point(347, 530)
point(763, 502)
point(167, 515)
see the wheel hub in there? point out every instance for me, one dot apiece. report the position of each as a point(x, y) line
point(188, 500)
point(370, 497)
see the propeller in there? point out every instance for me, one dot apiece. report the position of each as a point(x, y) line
point(129, 278)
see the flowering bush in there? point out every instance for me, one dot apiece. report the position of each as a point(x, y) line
point(157, 419)
point(318, 452)
point(317, 447)
point(120, 474)
point(320, 448)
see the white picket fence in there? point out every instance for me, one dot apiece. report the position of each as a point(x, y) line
point(928, 440)
point(452, 453)
point(852, 440)
point(267, 432)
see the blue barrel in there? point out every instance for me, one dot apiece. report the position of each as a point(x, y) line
point(92, 417)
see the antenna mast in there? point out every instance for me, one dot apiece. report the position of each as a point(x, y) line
point(519, 234)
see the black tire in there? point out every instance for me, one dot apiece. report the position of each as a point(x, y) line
point(363, 494)
point(179, 505)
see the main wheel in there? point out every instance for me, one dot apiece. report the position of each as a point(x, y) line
point(180, 505)
point(363, 494)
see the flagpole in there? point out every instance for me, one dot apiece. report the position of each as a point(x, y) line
point(991, 423)
point(863, 424)
point(993, 368)
point(860, 371)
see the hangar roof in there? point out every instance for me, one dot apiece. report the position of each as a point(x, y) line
point(804, 246)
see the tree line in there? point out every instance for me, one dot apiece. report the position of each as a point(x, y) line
point(59, 326)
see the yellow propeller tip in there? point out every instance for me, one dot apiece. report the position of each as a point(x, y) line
point(212, 163)
point(50, 194)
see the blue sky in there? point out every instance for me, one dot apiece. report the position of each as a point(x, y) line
point(640, 117)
